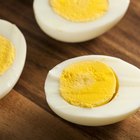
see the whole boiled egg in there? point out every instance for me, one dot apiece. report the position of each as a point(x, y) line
point(12, 56)
point(93, 90)
point(78, 20)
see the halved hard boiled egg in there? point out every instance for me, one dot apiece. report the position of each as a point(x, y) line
point(93, 90)
point(12, 56)
point(78, 20)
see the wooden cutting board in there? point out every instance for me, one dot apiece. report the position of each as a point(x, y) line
point(24, 113)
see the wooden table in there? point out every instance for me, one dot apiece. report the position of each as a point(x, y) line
point(24, 113)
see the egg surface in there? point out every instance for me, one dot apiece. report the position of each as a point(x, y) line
point(80, 10)
point(15, 51)
point(7, 54)
point(125, 103)
point(88, 84)
point(64, 30)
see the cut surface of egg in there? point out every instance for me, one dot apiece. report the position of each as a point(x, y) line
point(83, 25)
point(7, 54)
point(80, 10)
point(116, 98)
point(88, 84)
point(12, 56)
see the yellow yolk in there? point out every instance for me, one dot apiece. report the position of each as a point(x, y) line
point(88, 84)
point(7, 54)
point(80, 10)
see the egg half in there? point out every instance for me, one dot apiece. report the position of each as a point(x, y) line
point(14, 62)
point(53, 24)
point(125, 102)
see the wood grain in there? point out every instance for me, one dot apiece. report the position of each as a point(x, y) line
point(23, 120)
point(24, 113)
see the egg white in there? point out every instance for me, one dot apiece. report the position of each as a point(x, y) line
point(67, 31)
point(125, 103)
point(11, 76)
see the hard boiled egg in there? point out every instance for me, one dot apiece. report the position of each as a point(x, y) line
point(53, 17)
point(12, 56)
point(122, 90)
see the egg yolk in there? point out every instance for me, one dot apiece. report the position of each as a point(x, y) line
point(80, 10)
point(88, 84)
point(7, 54)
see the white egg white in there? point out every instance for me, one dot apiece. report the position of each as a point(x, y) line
point(67, 31)
point(10, 77)
point(125, 103)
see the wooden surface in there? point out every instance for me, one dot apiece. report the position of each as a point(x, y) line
point(24, 113)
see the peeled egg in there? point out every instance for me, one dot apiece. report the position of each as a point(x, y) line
point(9, 78)
point(65, 30)
point(125, 103)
